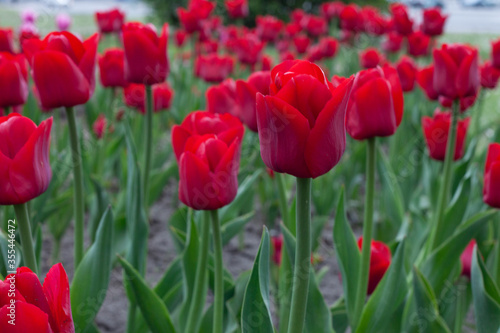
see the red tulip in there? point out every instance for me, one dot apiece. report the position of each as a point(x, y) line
point(213, 68)
point(13, 80)
point(297, 15)
point(222, 98)
point(495, 53)
point(237, 8)
point(376, 104)
point(491, 193)
point(407, 72)
point(292, 29)
point(380, 260)
point(337, 80)
point(436, 132)
point(433, 22)
point(207, 147)
point(6, 40)
point(370, 58)
point(25, 171)
point(111, 67)
point(72, 60)
point(268, 28)
point(373, 22)
point(27, 32)
point(267, 63)
point(456, 72)
point(135, 96)
point(330, 10)
point(489, 75)
point(192, 17)
point(393, 42)
point(99, 126)
point(418, 44)
point(301, 43)
point(110, 21)
point(246, 96)
point(301, 123)
point(40, 309)
point(349, 18)
point(249, 49)
point(277, 243)
point(314, 25)
point(180, 37)
point(466, 258)
point(402, 22)
point(328, 46)
point(425, 79)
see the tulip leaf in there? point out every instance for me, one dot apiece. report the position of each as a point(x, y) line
point(387, 297)
point(429, 319)
point(158, 180)
point(340, 321)
point(234, 227)
point(152, 307)
point(91, 279)
point(348, 255)
point(99, 207)
point(255, 314)
point(486, 296)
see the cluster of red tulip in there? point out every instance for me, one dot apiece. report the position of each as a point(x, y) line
point(300, 114)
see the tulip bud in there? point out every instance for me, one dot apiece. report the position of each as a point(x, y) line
point(466, 258)
point(380, 260)
point(491, 192)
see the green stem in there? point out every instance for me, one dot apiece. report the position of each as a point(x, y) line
point(55, 251)
point(131, 318)
point(460, 311)
point(23, 221)
point(149, 142)
point(218, 274)
point(479, 112)
point(496, 255)
point(444, 191)
point(199, 293)
point(364, 268)
point(302, 257)
point(283, 201)
point(78, 185)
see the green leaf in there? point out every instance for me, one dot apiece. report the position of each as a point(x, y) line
point(348, 255)
point(91, 279)
point(429, 319)
point(387, 297)
point(256, 316)
point(486, 296)
point(234, 227)
point(243, 198)
point(339, 317)
point(158, 180)
point(100, 205)
point(152, 307)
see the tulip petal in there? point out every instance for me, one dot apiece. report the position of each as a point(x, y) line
point(391, 74)
point(493, 155)
point(30, 287)
point(28, 318)
point(179, 137)
point(247, 95)
point(467, 81)
point(141, 59)
point(13, 85)
point(445, 74)
point(5, 298)
point(225, 176)
point(491, 192)
point(195, 187)
point(213, 150)
point(56, 289)
point(15, 132)
point(88, 60)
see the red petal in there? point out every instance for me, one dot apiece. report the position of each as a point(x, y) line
point(468, 79)
point(445, 74)
point(195, 187)
point(28, 318)
point(56, 289)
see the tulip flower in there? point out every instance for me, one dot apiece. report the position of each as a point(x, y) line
point(38, 308)
point(27, 31)
point(402, 22)
point(28, 16)
point(111, 67)
point(6, 40)
point(433, 22)
point(466, 258)
point(393, 42)
point(135, 95)
point(63, 22)
point(192, 17)
point(373, 23)
point(267, 63)
point(495, 53)
point(110, 21)
point(491, 192)
point(146, 59)
point(13, 80)
point(246, 96)
point(301, 43)
point(349, 18)
point(436, 132)
point(268, 27)
point(236, 8)
point(489, 76)
point(314, 25)
point(297, 15)
point(376, 104)
point(380, 260)
point(74, 64)
point(292, 29)
point(425, 79)
point(331, 10)
point(180, 37)
point(277, 246)
point(407, 72)
point(99, 126)
point(249, 49)
point(222, 98)
point(370, 58)
point(328, 47)
point(213, 68)
point(418, 44)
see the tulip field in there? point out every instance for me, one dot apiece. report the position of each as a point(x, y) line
point(334, 168)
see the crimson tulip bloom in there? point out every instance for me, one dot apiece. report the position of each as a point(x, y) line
point(267, 63)
point(6, 40)
point(110, 21)
point(349, 18)
point(13, 80)
point(331, 10)
point(418, 44)
point(193, 17)
point(425, 79)
point(237, 8)
point(207, 147)
point(466, 258)
point(436, 132)
point(433, 22)
point(222, 98)
point(380, 260)
point(373, 22)
point(491, 192)
point(489, 76)
point(111, 67)
point(99, 126)
point(38, 308)
point(407, 72)
point(135, 96)
point(328, 46)
point(495, 53)
point(246, 96)
point(248, 49)
point(277, 244)
point(376, 104)
point(402, 22)
point(72, 60)
point(301, 123)
point(292, 29)
point(314, 25)
point(25, 171)
point(297, 15)
point(268, 27)
point(213, 68)
point(146, 59)
point(180, 37)
point(456, 72)
point(301, 43)
point(370, 58)
point(393, 42)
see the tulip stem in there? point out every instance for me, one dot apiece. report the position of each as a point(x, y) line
point(23, 221)
point(444, 191)
point(199, 293)
point(7, 110)
point(149, 142)
point(479, 111)
point(283, 200)
point(302, 267)
point(218, 274)
point(78, 185)
point(364, 268)
point(496, 256)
